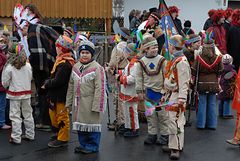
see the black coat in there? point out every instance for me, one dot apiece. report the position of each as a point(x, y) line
point(57, 85)
point(233, 46)
point(178, 24)
point(207, 24)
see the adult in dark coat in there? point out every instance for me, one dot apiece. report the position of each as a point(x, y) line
point(228, 20)
point(209, 22)
point(174, 11)
point(233, 39)
point(41, 43)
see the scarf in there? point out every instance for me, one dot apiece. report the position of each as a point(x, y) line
point(62, 58)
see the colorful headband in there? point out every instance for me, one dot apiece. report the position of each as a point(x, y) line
point(173, 42)
point(195, 39)
point(128, 50)
point(151, 43)
point(154, 16)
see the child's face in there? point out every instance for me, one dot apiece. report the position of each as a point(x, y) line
point(152, 51)
point(85, 56)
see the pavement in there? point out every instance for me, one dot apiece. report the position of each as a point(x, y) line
point(200, 145)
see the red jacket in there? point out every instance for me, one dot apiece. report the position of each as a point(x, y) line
point(3, 60)
point(219, 35)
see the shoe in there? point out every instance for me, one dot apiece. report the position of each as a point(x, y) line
point(234, 142)
point(6, 127)
point(122, 129)
point(57, 144)
point(175, 155)
point(82, 150)
point(24, 137)
point(131, 133)
point(166, 149)
point(151, 139)
point(13, 142)
point(53, 137)
point(228, 117)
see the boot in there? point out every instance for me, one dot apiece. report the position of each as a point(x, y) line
point(175, 155)
point(131, 133)
point(151, 139)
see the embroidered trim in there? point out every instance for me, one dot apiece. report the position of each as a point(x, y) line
point(202, 62)
point(87, 127)
point(127, 98)
point(19, 93)
point(102, 89)
point(152, 73)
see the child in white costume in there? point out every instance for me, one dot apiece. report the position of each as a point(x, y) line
point(128, 93)
point(176, 83)
point(149, 87)
point(16, 78)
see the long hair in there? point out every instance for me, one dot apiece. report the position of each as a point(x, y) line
point(18, 60)
point(34, 10)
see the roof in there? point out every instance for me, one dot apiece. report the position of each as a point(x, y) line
point(63, 8)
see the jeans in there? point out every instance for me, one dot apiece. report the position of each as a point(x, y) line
point(206, 114)
point(2, 108)
point(224, 108)
point(89, 140)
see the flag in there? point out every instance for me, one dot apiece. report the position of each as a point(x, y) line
point(168, 26)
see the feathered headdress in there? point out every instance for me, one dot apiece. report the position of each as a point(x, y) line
point(20, 16)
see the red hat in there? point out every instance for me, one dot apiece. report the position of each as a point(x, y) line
point(173, 9)
point(218, 14)
point(211, 12)
point(236, 16)
point(228, 13)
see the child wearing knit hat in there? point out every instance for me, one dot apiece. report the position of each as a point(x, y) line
point(87, 97)
point(56, 92)
point(227, 83)
point(149, 87)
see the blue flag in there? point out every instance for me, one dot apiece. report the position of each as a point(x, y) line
point(168, 26)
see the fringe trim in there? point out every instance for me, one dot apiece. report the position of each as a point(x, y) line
point(87, 127)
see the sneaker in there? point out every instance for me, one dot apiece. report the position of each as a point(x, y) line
point(24, 137)
point(6, 127)
point(151, 139)
point(82, 150)
point(175, 155)
point(131, 133)
point(57, 144)
point(233, 141)
point(11, 140)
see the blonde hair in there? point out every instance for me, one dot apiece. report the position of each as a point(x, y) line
point(177, 41)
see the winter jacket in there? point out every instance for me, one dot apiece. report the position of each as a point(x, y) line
point(227, 82)
point(210, 69)
point(233, 46)
point(57, 85)
point(3, 60)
